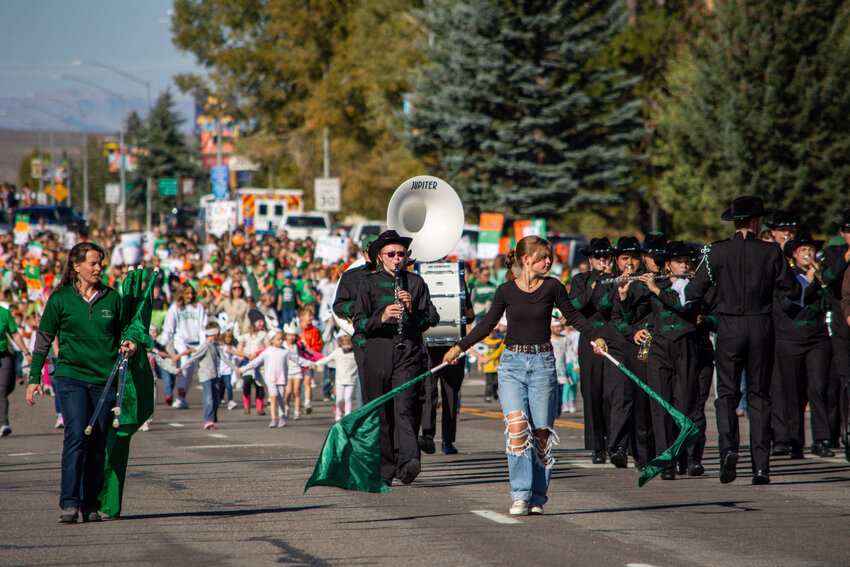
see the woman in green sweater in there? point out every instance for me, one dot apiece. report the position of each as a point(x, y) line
point(87, 319)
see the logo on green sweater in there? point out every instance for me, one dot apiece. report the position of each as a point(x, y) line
point(106, 313)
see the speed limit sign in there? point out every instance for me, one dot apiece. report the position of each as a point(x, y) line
point(328, 194)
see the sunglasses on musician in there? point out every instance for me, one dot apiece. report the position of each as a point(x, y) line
point(393, 254)
point(602, 256)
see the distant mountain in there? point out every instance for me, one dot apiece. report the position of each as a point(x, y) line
point(49, 111)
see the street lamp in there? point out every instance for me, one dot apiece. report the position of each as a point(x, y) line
point(82, 113)
point(126, 75)
point(122, 176)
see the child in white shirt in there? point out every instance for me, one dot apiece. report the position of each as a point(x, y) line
point(346, 374)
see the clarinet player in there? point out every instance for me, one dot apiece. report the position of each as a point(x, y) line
point(392, 313)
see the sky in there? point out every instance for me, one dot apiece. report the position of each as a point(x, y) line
point(41, 38)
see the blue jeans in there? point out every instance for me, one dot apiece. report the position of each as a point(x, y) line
point(83, 456)
point(168, 380)
point(527, 385)
point(227, 387)
point(212, 397)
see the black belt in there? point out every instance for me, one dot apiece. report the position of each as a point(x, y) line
point(530, 349)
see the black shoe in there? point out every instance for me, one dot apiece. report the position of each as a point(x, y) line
point(761, 477)
point(683, 468)
point(426, 444)
point(449, 449)
point(796, 452)
point(387, 482)
point(820, 449)
point(639, 467)
point(619, 458)
point(695, 469)
point(728, 462)
point(91, 517)
point(781, 449)
point(409, 471)
point(668, 474)
point(598, 458)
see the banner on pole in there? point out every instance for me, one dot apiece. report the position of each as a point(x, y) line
point(489, 233)
point(220, 217)
point(22, 229)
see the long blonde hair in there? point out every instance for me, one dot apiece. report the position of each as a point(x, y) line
point(533, 246)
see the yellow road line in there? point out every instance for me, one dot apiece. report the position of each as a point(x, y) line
point(498, 415)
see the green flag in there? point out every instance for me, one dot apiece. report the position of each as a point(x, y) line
point(351, 455)
point(137, 404)
point(688, 431)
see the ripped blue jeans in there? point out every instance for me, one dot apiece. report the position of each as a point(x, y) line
point(528, 391)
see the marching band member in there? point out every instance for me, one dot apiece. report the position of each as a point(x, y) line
point(528, 387)
point(392, 315)
point(746, 272)
point(596, 405)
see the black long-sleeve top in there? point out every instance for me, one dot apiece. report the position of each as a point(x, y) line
point(346, 295)
point(806, 321)
point(529, 314)
point(747, 273)
point(377, 290)
point(582, 297)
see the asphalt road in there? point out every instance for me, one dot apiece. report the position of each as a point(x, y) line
point(234, 496)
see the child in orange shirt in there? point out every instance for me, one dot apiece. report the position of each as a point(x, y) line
point(311, 338)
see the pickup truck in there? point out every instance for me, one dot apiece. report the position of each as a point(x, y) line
point(309, 224)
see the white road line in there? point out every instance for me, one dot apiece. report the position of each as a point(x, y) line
point(639, 565)
point(21, 454)
point(495, 517)
point(218, 435)
point(175, 424)
point(236, 445)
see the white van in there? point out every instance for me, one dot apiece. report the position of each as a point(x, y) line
point(366, 228)
point(308, 224)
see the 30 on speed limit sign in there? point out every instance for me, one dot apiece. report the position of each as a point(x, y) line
point(328, 194)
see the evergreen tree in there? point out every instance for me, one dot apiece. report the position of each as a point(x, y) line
point(163, 152)
point(758, 105)
point(510, 111)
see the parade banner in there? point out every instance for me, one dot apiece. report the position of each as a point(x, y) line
point(34, 285)
point(332, 249)
point(35, 250)
point(489, 235)
point(22, 229)
point(131, 249)
point(220, 217)
point(533, 227)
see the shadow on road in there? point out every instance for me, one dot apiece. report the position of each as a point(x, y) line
point(221, 513)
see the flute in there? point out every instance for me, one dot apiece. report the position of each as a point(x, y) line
point(637, 278)
point(399, 335)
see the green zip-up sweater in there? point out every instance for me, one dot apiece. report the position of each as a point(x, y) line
point(89, 334)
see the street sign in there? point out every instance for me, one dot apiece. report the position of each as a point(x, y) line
point(113, 193)
point(328, 194)
point(220, 175)
point(167, 186)
point(188, 186)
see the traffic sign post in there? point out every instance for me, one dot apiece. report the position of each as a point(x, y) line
point(220, 176)
point(113, 193)
point(328, 193)
point(167, 186)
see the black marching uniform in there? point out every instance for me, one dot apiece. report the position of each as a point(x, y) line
point(343, 307)
point(834, 266)
point(597, 409)
point(386, 367)
point(747, 272)
point(450, 379)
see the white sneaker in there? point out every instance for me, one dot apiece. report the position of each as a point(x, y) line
point(180, 403)
point(519, 508)
point(308, 408)
point(536, 510)
point(5, 431)
point(146, 426)
point(60, 422)
point(297, 415)
point(273, 423)
point(281, 422)
point(231, 405)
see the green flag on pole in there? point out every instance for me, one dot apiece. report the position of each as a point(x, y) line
point(351, 455)
point(688, 431)
point(137, 404)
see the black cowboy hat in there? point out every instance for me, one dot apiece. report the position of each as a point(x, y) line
point(783, 219)
point(845, 220)
point(385, 238)
point(674, 249)
point(627, 244)
point(654, 243)
point(743, 208)
point(696, 253)
point(597, 246)
point(802, 238)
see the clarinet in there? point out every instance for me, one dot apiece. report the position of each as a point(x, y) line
point(399, 335)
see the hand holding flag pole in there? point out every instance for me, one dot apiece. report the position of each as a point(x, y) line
point(688, 431)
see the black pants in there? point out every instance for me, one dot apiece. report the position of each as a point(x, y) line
point(804, 372)
point(631, 420)
point(596, 407)
point(450, 379)
point(384, 368)
point(672, 373)
point(839, 372)
point(7, 385)
point(491, 385)
point(705, 377)
point(745, 343)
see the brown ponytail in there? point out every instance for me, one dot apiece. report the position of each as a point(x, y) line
point(533, 246)
point(509, 264)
